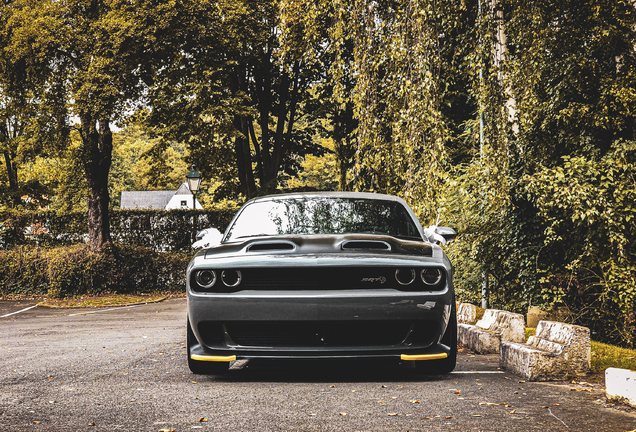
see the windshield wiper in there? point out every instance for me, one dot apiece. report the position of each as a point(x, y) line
point(255, 235)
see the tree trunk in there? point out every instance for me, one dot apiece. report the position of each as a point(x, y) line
point(12, 171)
point(98, 149)
point(499, 57)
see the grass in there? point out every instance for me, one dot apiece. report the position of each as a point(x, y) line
point(106, 299)
point(605, 356)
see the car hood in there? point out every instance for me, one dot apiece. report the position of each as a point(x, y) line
point(322, 245)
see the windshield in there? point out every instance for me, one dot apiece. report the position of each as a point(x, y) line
point(323, 215)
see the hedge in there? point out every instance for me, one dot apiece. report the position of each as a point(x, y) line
point(67, 271)
point(156, 229)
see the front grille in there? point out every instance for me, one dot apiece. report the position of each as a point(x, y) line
point(313, 334)
point(314, 278)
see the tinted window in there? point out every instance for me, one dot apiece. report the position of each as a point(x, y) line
point(323, 215)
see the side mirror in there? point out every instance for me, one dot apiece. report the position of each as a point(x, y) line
point(449, 234)
point(207, 238)
point(437, 234)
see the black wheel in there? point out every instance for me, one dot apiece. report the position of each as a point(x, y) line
point(203, 367)
point(446, 365)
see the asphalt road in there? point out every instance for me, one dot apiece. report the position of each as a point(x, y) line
point(125, 370)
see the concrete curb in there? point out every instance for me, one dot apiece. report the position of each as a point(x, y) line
point(621, 384)
point(40, 305)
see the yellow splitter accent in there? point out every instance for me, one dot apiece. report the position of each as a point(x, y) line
point(424, 356)
point(213, 358)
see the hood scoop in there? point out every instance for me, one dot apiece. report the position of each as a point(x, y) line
point(365, 245)
point(264, 246)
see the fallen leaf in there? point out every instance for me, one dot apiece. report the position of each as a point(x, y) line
point(202, 419)
point(544, 406)
point(506, 377)
point(332, 386)
point(353, 391)
point(555, 404)
point(393, 414)
point(513, 411)
point(458, 392)
point(415, 401)
point(448, 417)
point(91, 424)
point(36, 422)
point(522, 381)
point(343, 413)
point(194, 382)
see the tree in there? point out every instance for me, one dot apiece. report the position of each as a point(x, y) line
point(93, 56)
point(231, 95)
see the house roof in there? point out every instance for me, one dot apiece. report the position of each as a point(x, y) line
point(136, 200)
point(183, 189)
point(133, 200)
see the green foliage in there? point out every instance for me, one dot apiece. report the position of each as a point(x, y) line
point(75, 270)
point(24, 270)
point(587, 261)
point(136, 168)
point(158, 230)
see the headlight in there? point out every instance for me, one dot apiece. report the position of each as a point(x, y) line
point(231, 278)
point(206, 278)
point(431, 276)
point(405, 276)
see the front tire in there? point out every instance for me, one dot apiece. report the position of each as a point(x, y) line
point(446, 365)
point(202, 367)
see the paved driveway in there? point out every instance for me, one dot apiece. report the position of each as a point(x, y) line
point(125, 369)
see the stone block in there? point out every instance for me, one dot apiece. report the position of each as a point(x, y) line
point(621, 384)
point(496, 326)
point(535, 315)
point(467, 313)
point(557, 351)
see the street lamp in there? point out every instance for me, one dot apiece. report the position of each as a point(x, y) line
point(194, 181)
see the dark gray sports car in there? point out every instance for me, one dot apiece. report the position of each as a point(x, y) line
point(322, 275)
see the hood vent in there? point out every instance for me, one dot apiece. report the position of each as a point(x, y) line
point(270, 246)
point(366, 245)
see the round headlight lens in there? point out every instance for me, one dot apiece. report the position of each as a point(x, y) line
point(431, 276)
point(231, 278)
point(206, 278)
point(405, 276)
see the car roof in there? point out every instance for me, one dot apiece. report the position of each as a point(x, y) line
point(296, 195)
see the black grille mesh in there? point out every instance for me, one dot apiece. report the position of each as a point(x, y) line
point(297, 334)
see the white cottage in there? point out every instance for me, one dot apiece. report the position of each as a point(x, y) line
point(159, 200)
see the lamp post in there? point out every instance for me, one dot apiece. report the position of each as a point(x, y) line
point(194, 181)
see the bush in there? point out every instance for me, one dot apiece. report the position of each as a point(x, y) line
point(156, 229)
point(24, 270)
point(74, 270)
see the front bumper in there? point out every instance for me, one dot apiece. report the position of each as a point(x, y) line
point(319, 324)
